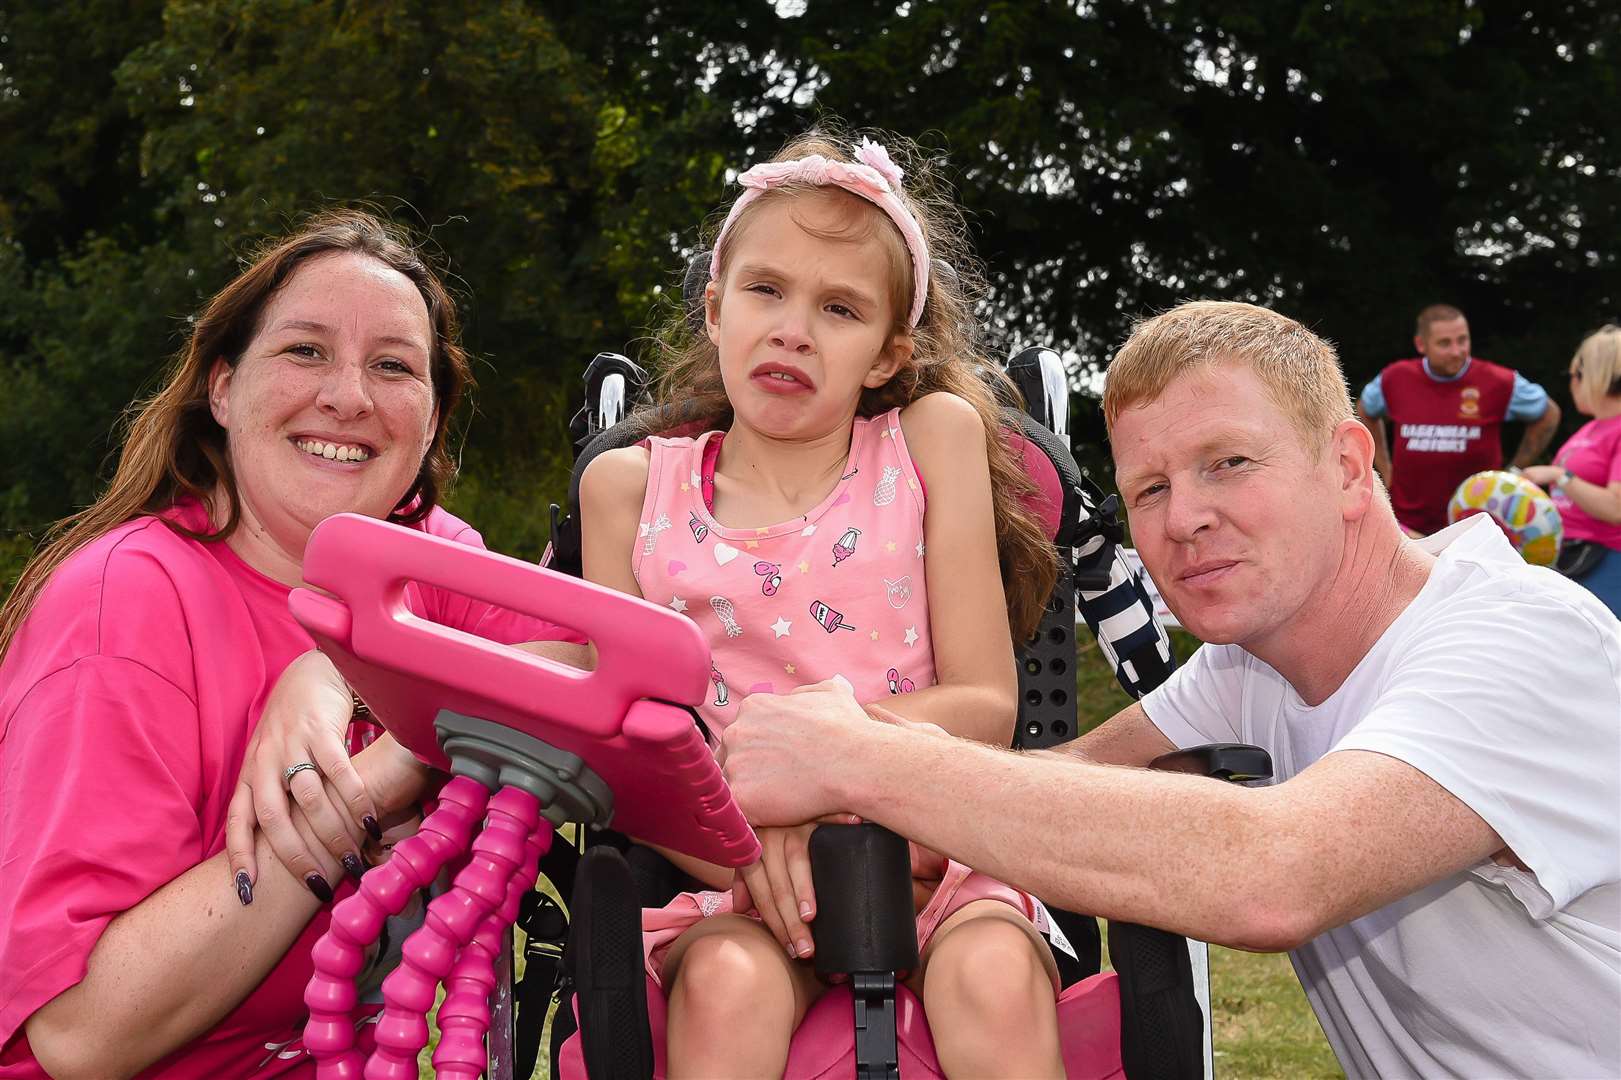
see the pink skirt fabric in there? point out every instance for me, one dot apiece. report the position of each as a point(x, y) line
point(959, 887)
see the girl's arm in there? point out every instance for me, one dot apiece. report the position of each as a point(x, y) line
point(611, 494)
point(976, 693)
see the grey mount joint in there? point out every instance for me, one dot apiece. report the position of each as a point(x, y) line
point(497, 756)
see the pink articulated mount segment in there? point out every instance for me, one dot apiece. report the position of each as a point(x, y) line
point(532, 743)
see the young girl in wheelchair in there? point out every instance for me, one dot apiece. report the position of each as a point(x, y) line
point(846, 507)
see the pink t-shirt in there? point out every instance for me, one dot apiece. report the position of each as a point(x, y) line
point(1594, 454)
point(837, 591)
point(127, 700)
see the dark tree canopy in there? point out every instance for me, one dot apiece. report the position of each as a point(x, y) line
point(1346, 162)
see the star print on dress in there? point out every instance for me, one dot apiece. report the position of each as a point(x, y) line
point(911, 636)
point(845, 546)
point(727, 614)
point(920, 549)
point(678, 604)
point(884, 493)
point(781, 627)
point(650, 532)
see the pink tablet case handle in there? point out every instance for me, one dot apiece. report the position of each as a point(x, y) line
point(557, 743)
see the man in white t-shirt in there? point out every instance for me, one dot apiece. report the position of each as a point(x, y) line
point(1440, 848)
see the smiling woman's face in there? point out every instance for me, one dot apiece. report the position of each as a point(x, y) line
point(331, 407)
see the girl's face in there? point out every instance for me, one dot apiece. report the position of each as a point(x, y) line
point(802, 321)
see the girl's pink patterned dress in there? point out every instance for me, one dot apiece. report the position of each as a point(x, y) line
point(837, 591)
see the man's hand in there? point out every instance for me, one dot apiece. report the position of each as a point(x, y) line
point(783, 754)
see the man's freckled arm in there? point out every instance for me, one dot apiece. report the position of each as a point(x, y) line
point(1162, 848)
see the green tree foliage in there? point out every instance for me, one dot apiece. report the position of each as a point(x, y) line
point(1345, 161)
point(190, 135)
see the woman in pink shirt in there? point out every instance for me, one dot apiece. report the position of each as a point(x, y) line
point(144, 641)
point(1585, 478)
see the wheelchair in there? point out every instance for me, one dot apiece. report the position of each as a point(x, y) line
point(1163, 1029)
point(1142, 1020)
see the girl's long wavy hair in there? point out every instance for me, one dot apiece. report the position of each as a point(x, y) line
point(947, 355)
point(175, 448)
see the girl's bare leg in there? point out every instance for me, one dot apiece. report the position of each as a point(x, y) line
point(735, 999)
point(987, 989)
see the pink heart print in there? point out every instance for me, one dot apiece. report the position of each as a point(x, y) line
point(675, 567)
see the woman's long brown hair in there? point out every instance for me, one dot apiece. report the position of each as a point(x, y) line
point(947, 355)
point(176, 449)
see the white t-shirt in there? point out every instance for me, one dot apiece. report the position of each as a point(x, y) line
point(1502, 683)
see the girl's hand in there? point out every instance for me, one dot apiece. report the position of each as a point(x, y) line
point(928, 868)
point(305, 719)
point(779, 886)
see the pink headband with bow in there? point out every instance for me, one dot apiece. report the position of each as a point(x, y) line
point(872, 176)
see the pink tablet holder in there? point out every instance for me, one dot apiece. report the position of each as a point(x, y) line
point(531, 743)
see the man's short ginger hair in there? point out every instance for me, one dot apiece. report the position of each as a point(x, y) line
point(1300, 371)
point(1433, 314)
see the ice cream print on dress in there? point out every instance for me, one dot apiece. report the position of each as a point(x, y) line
point(827, 618)
point(721, 697)
point(845, 546)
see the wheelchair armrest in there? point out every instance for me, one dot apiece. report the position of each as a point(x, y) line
point(864, 919)
point(1235, 762)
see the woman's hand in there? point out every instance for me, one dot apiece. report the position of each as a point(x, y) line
point(779, 886)
point(305, 719)
point(1544, 476)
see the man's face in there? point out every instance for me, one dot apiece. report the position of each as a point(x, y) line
point(1446, 343)
point(1238, 522)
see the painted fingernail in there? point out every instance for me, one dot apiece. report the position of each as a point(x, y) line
point(244, 888)
point(373, 830)
point(802, 948)
point(352, 865)
point(317, 885)
point(792, 952)
point(805, 909)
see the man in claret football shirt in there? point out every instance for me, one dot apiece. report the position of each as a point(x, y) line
point(1446, 410)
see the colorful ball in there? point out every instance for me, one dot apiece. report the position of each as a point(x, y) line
point(1522, 510)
